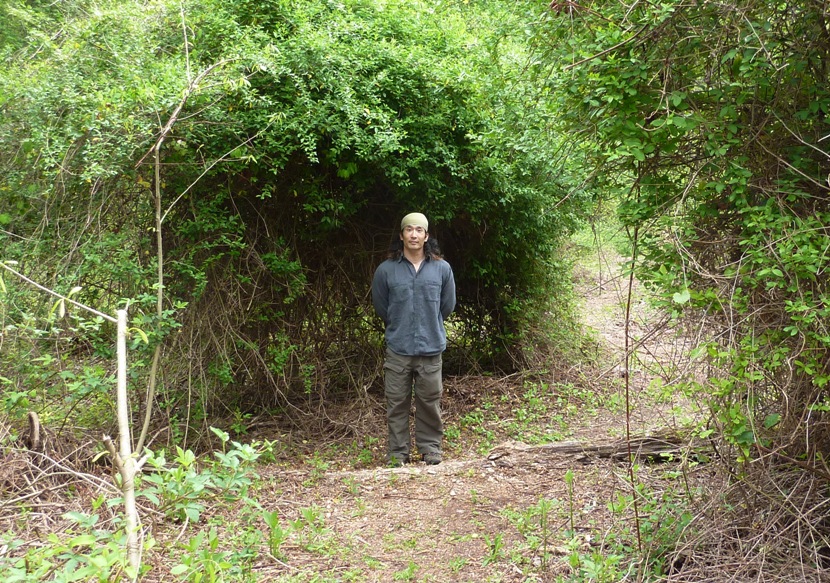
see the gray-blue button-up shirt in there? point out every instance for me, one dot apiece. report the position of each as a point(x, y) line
point(413, 305)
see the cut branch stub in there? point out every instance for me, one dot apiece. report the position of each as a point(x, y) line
point(34, 441)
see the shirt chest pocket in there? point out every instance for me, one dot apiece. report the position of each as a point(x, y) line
point(400, 293)
point(432, 291)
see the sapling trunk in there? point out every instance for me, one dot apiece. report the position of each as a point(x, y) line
point(123, 459)
point(128, 462)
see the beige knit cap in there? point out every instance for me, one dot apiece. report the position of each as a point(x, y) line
point(415, 219)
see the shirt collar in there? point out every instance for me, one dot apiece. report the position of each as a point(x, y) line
point(402, 257)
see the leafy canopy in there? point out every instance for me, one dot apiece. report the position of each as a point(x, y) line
point(313, 127)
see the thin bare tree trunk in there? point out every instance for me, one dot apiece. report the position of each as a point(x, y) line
point(123, 459)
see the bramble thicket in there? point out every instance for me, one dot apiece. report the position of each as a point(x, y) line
point(232, 172)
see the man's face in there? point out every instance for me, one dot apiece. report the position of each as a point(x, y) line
point(414, 237)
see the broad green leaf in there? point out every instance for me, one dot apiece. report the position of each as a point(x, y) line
point(82, 540)
point(193, 513)
point(221, 434)
point(141, 334)
point(681, 297)
point(150, 496)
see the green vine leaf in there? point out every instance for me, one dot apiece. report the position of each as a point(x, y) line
point(681, 297)
point(141, 334)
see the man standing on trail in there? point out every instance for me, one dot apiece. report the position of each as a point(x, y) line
point(413, 292)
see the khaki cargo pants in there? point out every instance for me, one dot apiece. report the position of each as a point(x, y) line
point(401, 373)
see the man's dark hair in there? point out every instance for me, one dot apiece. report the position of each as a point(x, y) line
point(431, 248)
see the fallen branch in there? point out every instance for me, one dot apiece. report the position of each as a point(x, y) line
point(645, 447)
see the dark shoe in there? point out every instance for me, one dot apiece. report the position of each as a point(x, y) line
point(432, 458)
point(396, 461)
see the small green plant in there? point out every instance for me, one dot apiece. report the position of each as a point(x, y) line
point(472, 419)
point(664, 518)
point(488, 441)
point(245, 541)
point(569, 482)
point(202, 562)
point(312, 516)
point(277, 535)
point(353, 575)
point(407, 574)
point(319, 467)
point(352, 485)
point(83, 552)
point(544, 507)
point(495, 549)
point(180, 489)
point(366, 455)
point(360, 507)
point(372, 562)
point(239, 425)
point(452, 435)
point(597, 566)
point(234, 473)
point(176, 490)
point(311, 529)
point(458, 563)
point(533, 524)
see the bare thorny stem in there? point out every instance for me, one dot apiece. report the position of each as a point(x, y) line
point(56, 294)
point(628, 354)
point(159, 218)
point(151, 388)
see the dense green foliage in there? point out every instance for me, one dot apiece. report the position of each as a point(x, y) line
point(711, 119)
point(277, 143)
point(709, 122)
point(293, 135)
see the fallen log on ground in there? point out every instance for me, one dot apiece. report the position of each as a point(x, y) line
point(652, 448)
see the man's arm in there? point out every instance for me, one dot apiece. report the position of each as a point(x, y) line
point(447, 292)
point(380, 293)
